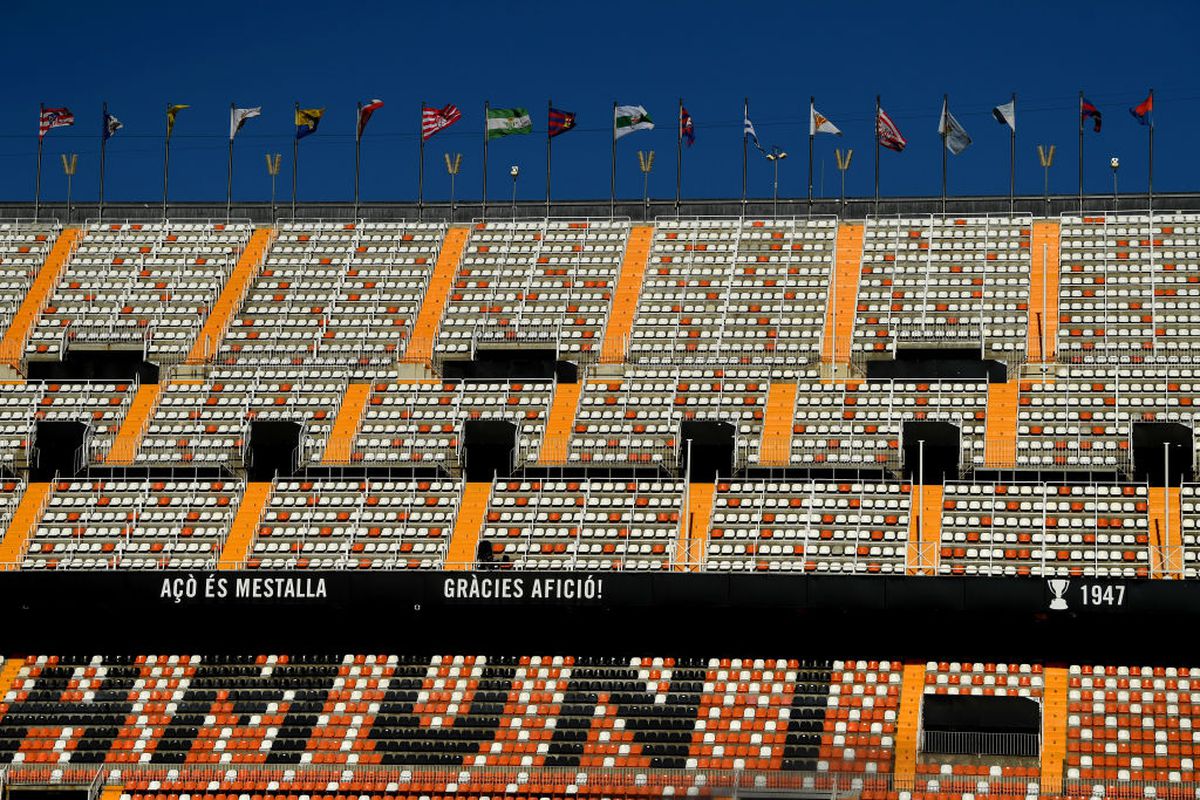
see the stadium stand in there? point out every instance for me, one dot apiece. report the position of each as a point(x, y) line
point(148, 286)
point(950, 282)
point(1126, 284)
point(734, 291)
point(548, 282)
point(336, 294)
point(24, 246)
point(345, 328)
point(1045, 530)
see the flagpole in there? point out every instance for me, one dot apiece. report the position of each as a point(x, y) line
point(612, 177)
point(1081, 151)
point(1012, 159)
point(942, 125)
point(486, 106)
point(357, 154)
point(811, 103)
point(877, 155)
point(421, 168)
point(166, 159)
point(103, 146)
point(1150, 174)
point(37, 190)
point(295, 166)
point(679, 158)
point(549, 108)
point(229, 170)
point(745, 116)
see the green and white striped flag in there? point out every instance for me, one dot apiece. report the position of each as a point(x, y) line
point(630, 119)
point(503, 121)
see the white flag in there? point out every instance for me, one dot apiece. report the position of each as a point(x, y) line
point(1006, 114)
point(238, 117)
point(956, 138)
point(628, 119)
point(819, 123)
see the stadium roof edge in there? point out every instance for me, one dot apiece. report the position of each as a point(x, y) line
point(854, 208)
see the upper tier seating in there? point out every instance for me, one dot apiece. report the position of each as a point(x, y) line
point(1045, 531)
point(133, 524)
point(206, 423)
point(944, 281)
point(98, 404)
point(148, 286)
point(637, 419)
point(1082, 415)
point(1132, 723)
point(375, 524)
point(977, 678)
point(734, 291)
point(837, 528)
point(336, 293)
point(24, 247)
point(584, 525)
point(1129, 285)
point(546, 282)
point(422, 422)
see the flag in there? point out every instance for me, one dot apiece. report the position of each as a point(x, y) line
point(172, 110)
point(687, 130)
point(364, 115)
point(561, 121)
point(819, 123)
point(505, 121)
point(748, 131)
point(1143, 111)
point(631, 118)
point(307, 120)
point(111, 126)
point(1086, 109)
point(1006, 114)
point(238, 117)
point(435, 119)
point(888, 134)
point(54, 118)
point(953, 134)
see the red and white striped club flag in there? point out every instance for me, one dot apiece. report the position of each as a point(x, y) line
point(54, 118)
point(436, 119)
point(889, 135)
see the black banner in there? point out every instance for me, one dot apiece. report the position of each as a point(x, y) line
point(961, 617)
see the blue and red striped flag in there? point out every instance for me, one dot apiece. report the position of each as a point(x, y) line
point(1144, 110)
point(1086, 109)
point(687, 129)
point(561, 121)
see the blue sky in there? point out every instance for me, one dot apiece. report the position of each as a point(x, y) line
point(139, 55)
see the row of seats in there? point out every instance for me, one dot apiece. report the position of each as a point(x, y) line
point(452, 711)
point(1044, 530)
point(24, 247)
point(545, 282)
point(332, 293)
point(734, 291)
point(146, 286)
point(715, 290)
point(950, 282)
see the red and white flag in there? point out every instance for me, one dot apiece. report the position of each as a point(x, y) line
point(435, 119)
point(364, 114)
point(887, 132)
point(54, 118)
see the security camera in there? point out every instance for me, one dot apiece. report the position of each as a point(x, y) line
point(514, 170)
point(1114, 162)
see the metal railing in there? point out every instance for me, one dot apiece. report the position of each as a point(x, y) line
point(981, 743)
